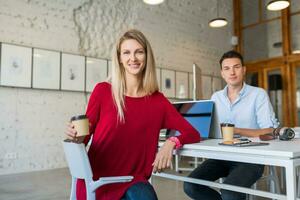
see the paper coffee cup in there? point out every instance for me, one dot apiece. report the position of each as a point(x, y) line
point(227, 131)
point(81, 125)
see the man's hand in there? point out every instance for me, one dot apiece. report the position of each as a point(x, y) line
point(252, 132)
point(163, 158)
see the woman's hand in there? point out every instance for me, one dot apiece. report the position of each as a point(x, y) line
point(163, 158)
point(71, 134)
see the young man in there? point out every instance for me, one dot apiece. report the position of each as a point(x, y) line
point(250, 110)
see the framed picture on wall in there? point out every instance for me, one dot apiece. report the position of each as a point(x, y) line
point(72, 72)
point(158, 70)
point(168, 82)
point(46, 69)
point(182, 85)
point(16, 64)
point(96, 71)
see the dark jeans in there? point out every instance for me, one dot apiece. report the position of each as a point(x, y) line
point(140, 191)
point(235, 173)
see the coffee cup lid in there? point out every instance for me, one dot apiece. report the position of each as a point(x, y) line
point(227, 124)
point(78, 117)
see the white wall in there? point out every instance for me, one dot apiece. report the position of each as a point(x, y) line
point(32, 121)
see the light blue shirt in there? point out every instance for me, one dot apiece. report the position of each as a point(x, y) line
point(252, 108)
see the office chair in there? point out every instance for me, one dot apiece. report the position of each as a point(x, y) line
point(80, 168)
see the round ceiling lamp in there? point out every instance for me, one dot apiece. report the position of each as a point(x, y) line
point(297, 51)
point(153, 2)
point(276, 5)
point(218, 22)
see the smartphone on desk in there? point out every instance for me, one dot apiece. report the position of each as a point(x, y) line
point(241, 141)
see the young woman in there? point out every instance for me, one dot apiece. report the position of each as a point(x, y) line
point(125, 117)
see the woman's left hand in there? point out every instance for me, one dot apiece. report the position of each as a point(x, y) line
point(163, 158)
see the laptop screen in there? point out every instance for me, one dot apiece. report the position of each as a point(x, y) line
point(197, 113)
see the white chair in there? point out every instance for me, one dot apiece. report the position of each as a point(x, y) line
point(80, 168)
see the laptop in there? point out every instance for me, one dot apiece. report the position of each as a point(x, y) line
point(201, 115)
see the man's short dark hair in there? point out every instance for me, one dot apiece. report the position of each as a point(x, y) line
point(231, 54)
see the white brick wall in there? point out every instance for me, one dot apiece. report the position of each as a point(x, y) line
point(32, 121)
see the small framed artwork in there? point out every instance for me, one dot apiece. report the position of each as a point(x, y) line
point(46, 69)
point(158, 77)
point(72, 72)
point(16, 65)
point(182, 85)
point(168, 83)
point(96, 71)
point(191, 86)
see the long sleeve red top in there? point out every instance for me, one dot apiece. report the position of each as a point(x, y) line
point(122, 149)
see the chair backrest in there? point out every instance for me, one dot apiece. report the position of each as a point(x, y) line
point(78, 160)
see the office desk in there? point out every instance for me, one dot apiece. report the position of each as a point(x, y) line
point(278, 153)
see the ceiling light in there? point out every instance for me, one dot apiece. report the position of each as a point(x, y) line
point(276, 5)
point(153, 2)
point(219, 21)
point(297, 51)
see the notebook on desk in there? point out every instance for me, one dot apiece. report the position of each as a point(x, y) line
point(201, 115)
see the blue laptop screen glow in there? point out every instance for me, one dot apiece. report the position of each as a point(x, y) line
point(198, 114)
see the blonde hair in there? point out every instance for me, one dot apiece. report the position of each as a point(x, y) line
point(148, 82)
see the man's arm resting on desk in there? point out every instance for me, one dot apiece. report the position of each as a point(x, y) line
point(252, 132)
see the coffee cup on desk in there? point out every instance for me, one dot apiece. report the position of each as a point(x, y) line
point(81, 125)
point(227, 130)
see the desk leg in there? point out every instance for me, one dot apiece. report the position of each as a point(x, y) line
point(290, 181)
point(176, 162)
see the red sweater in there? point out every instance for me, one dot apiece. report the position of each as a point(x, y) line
point(122, 149)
